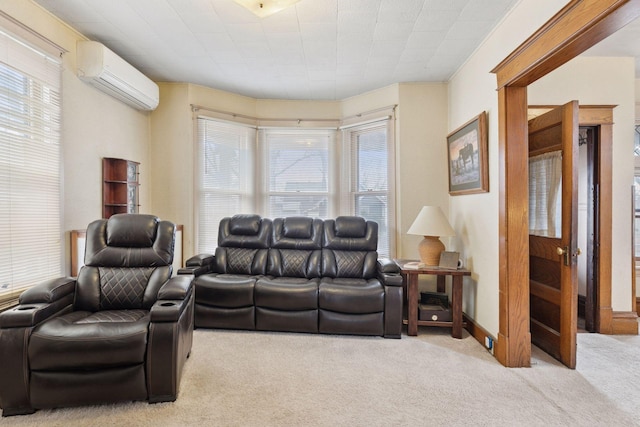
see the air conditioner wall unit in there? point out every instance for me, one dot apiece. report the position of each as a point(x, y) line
point(102, 68)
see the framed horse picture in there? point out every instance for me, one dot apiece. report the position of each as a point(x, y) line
point(467, 155)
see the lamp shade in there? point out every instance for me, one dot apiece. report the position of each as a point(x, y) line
point(431, 222)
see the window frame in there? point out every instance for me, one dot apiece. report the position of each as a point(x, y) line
point(263, 183)
point(350, 175)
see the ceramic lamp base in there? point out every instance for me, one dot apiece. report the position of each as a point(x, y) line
point(430, 249)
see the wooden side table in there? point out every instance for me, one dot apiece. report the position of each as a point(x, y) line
point(410, 277)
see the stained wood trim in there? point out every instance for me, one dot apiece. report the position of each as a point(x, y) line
point(477, 331)
point(575, 28)
point(589, 115)
point(637, 305)
point(513, 347)
point(543, 52)
point(75, 236)
point(625, 323)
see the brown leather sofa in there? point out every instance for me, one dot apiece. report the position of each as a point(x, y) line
point(121, 331)
point(298, 274)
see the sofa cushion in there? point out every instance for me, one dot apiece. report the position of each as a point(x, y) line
point(356, 296)
point(244, 231)
point(350, 234)
point(297, 233)
point(297, 227)
point(245, 225)
point(349, 264)
point(287, 293)
point(294, 263)
point(269, 319)
point(138, 231)
point(225, 290)
point(350, 226)
point(90, 340)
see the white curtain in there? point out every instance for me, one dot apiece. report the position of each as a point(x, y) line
point(545, 194)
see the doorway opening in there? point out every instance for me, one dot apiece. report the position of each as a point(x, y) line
point(588, 233)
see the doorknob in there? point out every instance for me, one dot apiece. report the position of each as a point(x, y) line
point(567, 254)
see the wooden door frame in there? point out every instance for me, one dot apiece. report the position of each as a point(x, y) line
point(578, 26)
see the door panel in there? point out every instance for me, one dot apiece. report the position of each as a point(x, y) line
point(553, 276)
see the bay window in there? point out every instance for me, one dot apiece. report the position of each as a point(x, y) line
point(278, 172)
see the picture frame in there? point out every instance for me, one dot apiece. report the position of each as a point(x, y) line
point(467, 154)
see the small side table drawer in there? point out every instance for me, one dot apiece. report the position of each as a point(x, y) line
point(436, 313)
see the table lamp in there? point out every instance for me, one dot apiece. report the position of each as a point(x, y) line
point(432, 224)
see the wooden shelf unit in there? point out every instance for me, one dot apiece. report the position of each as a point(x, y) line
point(120, 184)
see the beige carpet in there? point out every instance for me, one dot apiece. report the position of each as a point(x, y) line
point(236, 378)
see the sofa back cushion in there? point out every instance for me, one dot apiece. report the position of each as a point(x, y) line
point(349, 247)
point(243, 242)
point(295, 247)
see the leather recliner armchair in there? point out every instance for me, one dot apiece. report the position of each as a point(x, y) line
point(121, 331)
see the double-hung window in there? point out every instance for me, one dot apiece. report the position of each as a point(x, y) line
point(367, 184)
point(297, 172)
point(225, 176)
point(30, 159)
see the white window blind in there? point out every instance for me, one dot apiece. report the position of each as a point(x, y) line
point(30, 158)
point(225, 176)
point(545, 194)
point(297, 172)
point(367, 179)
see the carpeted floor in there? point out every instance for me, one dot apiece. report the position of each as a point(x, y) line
point(236, 378)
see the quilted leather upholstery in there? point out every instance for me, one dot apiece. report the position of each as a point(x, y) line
point(295, 249)
point(123, 288)
point(321, 276)
point(243, 241)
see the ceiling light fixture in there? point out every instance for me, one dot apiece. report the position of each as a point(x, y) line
point(264, 8)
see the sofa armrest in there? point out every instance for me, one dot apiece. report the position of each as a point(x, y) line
point(389, 272)
point(173, 298)
point(167, 310)
point(49, 291)
point(198, 265)
point(176, 288)
point(39, 303)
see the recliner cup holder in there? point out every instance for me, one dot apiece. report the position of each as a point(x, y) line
point(167, 304)
point(29, 307)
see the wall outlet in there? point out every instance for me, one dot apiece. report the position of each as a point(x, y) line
point(488, 342)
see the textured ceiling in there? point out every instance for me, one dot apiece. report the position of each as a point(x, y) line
point(317, 49)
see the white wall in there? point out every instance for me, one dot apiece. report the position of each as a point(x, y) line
point(421, 157)
point(94, 125)
point(475, 217)
point(604, 81)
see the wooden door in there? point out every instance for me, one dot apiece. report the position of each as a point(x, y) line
point(552, 258)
